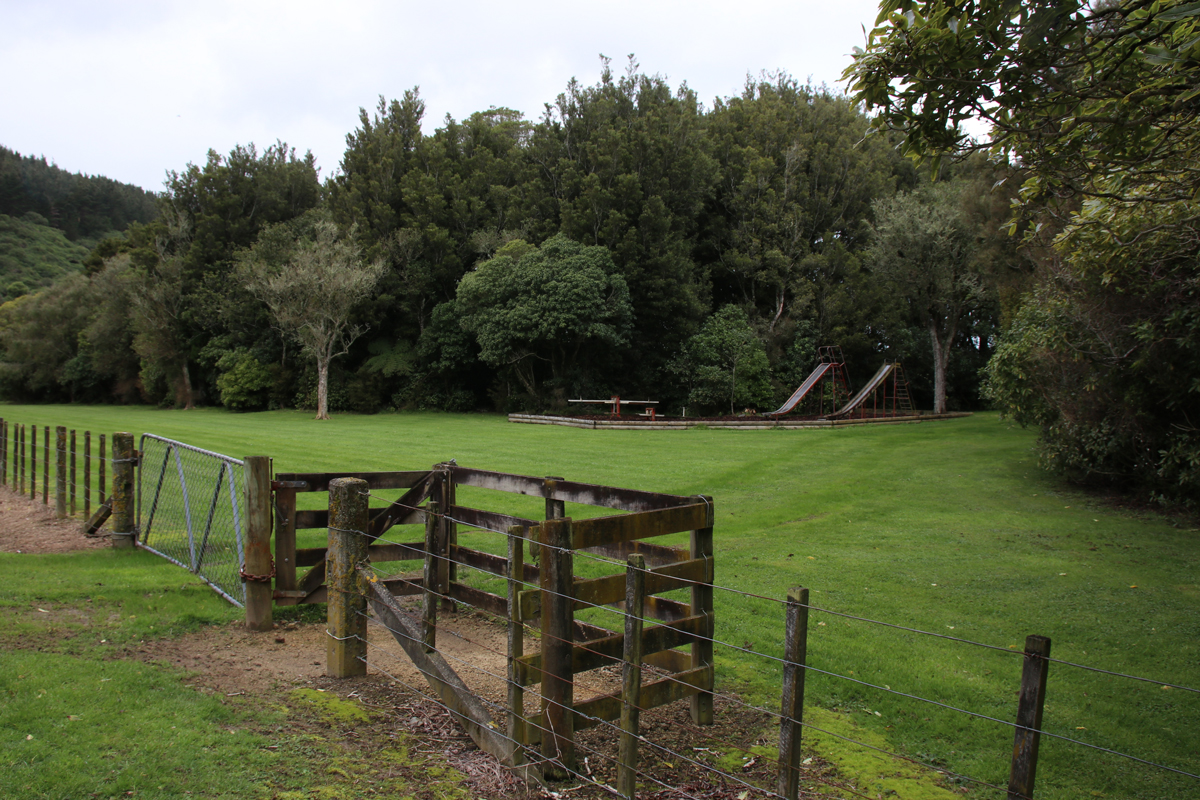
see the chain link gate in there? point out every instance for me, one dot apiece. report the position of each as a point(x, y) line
point(194, 516)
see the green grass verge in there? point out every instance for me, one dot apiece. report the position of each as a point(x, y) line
point(947, 527)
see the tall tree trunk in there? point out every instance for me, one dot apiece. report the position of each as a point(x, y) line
point(941, 357)
point(189, 401)
point(322, 388)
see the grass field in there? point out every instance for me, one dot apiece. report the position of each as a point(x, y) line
point(947, 527)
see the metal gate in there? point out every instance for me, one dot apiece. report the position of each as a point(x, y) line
point(191, 499)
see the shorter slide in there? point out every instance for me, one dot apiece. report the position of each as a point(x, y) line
point(866, 391)
point(804, 389)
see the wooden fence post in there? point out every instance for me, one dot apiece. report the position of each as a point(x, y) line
point(1029, 717)
point(3, 452)
point(33, 463)
point(702, 603)
point(60, 472)
point(346, 650)
point(71, 478)
point(429, 578)
point(558, 610)
point(45, 465)
point(22, 459)
point(101, 496)
point(122, 496)
point(447, 569)
point(87, 474)
point(285, 539)
point(516, 640)
point(259, 569)
point(631, 677)
point(795, 656)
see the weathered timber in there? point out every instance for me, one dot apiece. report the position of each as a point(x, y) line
point(98, 519)
point(568, 491)
point(644, 525)
point(477, 598)
point(1031, 700)
point(468, 710)
point(669, 660)
point(702, 603)
point(516, 638)
point(604, 651)
point(631, 676)
point(256, 543)
point(607, 708)
point(556, 508)
point(33, 462)
point(285, 538)
point(795, 653)
point(346, 647)
point(448, 570)
point(430, 576)
point(313, 579)
point(122, 494)
point(411, 551)
point(319, 518)
point(405, 510)
point(319, 481)
point(610, 589)
point(491, 564)
point(60, 472)
point(488, 520)
point(45, 465)
point(558, 686)
point(656, 555)
point(71, 477)
point(100, 468)
point(87, 474)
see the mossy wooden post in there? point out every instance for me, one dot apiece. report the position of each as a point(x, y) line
point(429, 577)
point(71, 477)
point(100, 457)
point(258, 571)
point(516, 640)
point(285, 539)
point(1029, 718)
point(45, 465)
point(346, 649)
point(702, 603)
point(795, 655)
point(87, 474)
point(122, 493)
point(558, 609)
point(60, 472)
point(631, 678)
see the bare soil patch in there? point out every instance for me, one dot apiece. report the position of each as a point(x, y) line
point(27, 526)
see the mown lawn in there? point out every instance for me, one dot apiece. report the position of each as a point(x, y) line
point(947, 527)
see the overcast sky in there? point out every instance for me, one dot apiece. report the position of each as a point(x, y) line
point(131, 90)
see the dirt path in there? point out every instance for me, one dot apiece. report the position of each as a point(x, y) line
point(268, 666)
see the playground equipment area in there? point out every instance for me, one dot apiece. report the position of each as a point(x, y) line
point(824, 399)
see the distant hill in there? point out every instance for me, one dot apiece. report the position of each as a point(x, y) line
point(86, 208)
point(33, 254)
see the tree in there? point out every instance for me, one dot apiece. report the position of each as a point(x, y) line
point(924, 249)
point(558, 308)
point(725, 359)
point(311, 283)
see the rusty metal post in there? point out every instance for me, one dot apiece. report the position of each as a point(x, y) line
point(60, 472)
point(258, 570)
point(123, 534)
point(558, 609)
point(795, 655)
point(1029, 718)
point(631, 677)
point(346, 649)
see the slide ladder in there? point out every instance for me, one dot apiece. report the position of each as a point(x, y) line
point(831, 367)
point(890, 379)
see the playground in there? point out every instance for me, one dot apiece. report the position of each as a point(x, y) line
point(825, 399)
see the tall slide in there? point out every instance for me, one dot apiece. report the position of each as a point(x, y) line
point(899, 396)
point(812, 380)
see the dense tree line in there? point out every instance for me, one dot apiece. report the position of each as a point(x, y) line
point(629, 241)
point(1099, 104)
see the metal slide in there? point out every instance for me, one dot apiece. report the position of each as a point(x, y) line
point(804, 389)
point(866, 391)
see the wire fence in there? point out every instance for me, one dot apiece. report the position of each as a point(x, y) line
point(190, 508)
point(31, 457)
point(815, 786)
